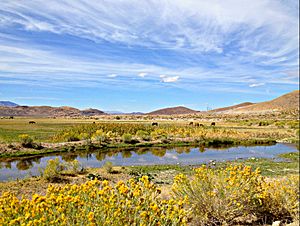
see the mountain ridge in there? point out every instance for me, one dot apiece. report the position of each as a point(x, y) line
point(179, 110)
point(48, 111)
point(286, 102)
point(5, 103)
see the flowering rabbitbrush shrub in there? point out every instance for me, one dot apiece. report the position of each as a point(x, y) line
point(26, 140)
point(95, 203)
point(55, 168)
point(222, 196)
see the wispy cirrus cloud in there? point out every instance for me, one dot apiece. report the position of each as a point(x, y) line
point(165, 78)
point(112, 75)
point(256, 85)
point(195, 44)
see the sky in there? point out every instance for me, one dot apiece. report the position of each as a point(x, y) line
point(138, 55)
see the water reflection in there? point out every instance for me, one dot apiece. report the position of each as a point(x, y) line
point(27, 163)
point(17, 167)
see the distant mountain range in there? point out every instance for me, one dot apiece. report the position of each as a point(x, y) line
point(47, 111)
point(285, 102)
point(8, 104)
point(173, 111)
point(123, 113)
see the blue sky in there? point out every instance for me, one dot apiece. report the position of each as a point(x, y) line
point(139, 55)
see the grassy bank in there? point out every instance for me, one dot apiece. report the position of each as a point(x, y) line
point(11, 151)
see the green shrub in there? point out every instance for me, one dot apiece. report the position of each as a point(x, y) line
point(294, 124)
point(70, 136)
point(26, 140)
point(99, 136)
point(127, 138)
point(73, 167)
point(108, 166)
point(53, 169)
point(143, 135)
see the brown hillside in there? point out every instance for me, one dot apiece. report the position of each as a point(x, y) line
point(285, 102)
point(47, 111)
point(232, 107)
point(173, 111)
point(92, 112)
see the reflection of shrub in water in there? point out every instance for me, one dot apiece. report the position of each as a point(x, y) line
point(159, 152)
point(126, 154)
point(69, 157)
point(24, 165)
point(181, 150)
point(100, 155)
point(142, 151)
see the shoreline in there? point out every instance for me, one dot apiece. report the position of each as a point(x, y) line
point(80, 146)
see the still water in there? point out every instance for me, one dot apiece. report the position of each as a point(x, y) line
point(30, 166)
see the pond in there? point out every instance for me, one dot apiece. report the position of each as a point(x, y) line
point(11, 169)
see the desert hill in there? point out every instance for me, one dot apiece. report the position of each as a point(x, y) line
point(91, 112)
point(287, 102)
point(173, 111)
point(233, 107)
point(47, 111)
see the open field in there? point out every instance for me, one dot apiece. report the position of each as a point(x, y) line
point(251, 195)
point(46, 128)
point(42, 131)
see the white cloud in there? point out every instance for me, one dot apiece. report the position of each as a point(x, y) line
point(142, 74)
point(167, 79)
point(256, 85)
point(241, 36)
point(191, 24)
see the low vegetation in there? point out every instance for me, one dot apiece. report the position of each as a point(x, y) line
point(55, 169)
point(95, 203)
point(215, 194)
point(236, 193)
point(198, 197)
point(107, 133)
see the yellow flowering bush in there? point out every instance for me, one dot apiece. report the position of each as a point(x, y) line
point(281, 197)
point(95, 203)
point(55, 168)
point(26, 140)
point(222, 196)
